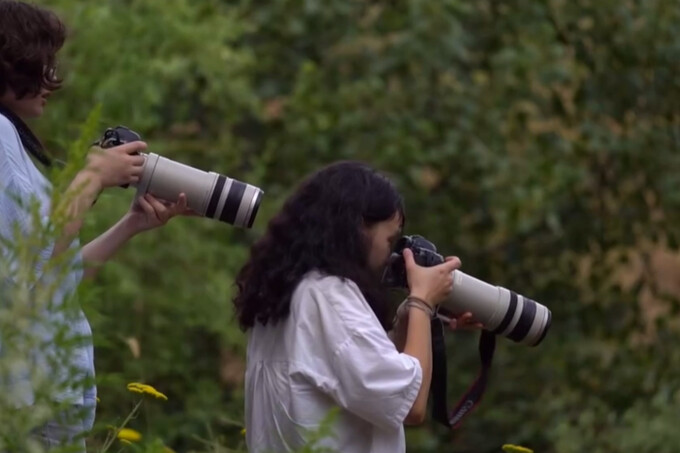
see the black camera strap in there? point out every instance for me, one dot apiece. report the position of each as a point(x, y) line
point(472, 397)
point(27, 137)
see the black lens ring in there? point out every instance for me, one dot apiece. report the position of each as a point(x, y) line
point(508, 314)
point(526, 320)
point(233, 202)
point(215, 197)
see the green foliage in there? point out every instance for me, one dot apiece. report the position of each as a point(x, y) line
point(537, 140)
point(32, 370)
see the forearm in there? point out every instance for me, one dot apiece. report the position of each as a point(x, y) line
point(100, 250)
point(419, 346)
point(78, 199)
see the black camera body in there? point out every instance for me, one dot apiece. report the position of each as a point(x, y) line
point(118, 135)
point(424, 254)
point(115, 136)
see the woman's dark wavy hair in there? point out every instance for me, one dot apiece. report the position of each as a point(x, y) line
point(319, 227)
point(30, 38)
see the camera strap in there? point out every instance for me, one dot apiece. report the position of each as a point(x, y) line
point(472, 397)
point(27, 137)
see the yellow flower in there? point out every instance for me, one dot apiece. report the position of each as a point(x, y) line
point(243, 432)
point(145, 389)
point(507, 448)
point(129, 435)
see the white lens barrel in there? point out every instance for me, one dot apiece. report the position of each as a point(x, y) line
point(500, 310)
point(166, 179)
point(208, 193)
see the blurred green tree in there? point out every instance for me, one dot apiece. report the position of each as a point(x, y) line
point(537, 140)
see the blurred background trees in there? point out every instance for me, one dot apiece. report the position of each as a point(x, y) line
point(537, 140)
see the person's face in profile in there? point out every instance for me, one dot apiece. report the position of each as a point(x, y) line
point(31, 105)
point(28, 106)
point(382, 236)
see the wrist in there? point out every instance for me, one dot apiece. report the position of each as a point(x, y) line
point(421, 296)
point(419, 304)
point(89, 179)
point(127, 226)
point(418, 312)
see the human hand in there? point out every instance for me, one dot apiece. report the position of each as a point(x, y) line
point(147, 212)
point(464, 322)
point(431, 284)
point(115, 166)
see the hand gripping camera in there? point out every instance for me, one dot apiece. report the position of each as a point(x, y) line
point(503, 312)
point(208, 193)
point(500, 310)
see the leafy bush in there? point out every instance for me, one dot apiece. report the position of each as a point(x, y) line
point(538, 141)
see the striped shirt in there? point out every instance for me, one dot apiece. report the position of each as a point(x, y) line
point(21, 183)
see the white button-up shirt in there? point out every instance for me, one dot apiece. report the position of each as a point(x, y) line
point(331, 353)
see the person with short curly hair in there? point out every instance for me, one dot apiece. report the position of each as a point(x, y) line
point(30, 38)
point(29, 44)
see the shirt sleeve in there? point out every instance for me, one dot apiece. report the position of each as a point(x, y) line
point(370, 378)
point(14, 184)
point(16, 194)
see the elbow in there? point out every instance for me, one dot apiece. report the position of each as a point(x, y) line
point(415, 417)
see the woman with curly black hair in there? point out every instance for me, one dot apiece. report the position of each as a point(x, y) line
point(317, 319)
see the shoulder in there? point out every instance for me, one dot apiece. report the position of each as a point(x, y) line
point(328, 287)
point(7, 130)
point(5, 123)
point(332, 297)
point(11, 149)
